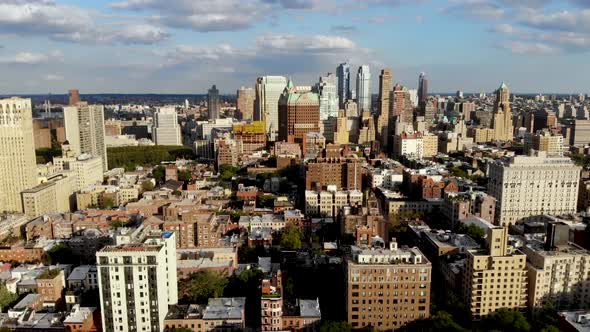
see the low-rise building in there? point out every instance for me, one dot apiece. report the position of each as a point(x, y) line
point(220, 314)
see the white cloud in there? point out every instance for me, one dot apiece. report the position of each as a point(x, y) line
point(53, 77)
point(73, 24)
point(317, 43)
point(520, 47)
point(475, 9)
point(29, 58)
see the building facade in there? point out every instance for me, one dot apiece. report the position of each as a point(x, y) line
point(268, 92)
point(17, 152)
point(528, 186)
point(387, 288)
point(363, 90)
point(245, 103)
point(137, 283)
point(84, 126)
point(166, 130)
point(213, 105)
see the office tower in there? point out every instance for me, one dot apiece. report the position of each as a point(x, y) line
point(502, 125)
point(363, 92)
point(166, 130)
point(494, 278)
point(528, 186)
point(387, 288)
point(341, 136)
point(401, 106)
point(213, 103)
point(385, 81)
point(268, 92)
point(137, 283)
point(422, 88)
point(74, 97)
point(328, 96)
point(84, 125)
point(544, 140)
point(343, 74)
point(17, 152)
point(299, 114)
point(245, 104)
point(557, 270)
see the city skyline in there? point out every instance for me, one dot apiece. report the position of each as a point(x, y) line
point(185, 47)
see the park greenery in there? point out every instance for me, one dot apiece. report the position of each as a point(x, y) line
point(131, 156)
point(200, 286)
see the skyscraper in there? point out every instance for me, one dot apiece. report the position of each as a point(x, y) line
point(213, 103)
point(166, 130)
point(84, 126)
point(503, 128)
point(74, 97)
point(245, 104)
point(328, 96)
point(343, 74)
point(422, 88)
point(268, 92)
point(17, 152)
point(299, 114)
point(363, 92)
point(385, 81)
point(137, 282)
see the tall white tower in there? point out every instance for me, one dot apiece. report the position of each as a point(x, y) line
point(363, 92)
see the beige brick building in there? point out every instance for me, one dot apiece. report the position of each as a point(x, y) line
point(494, 278)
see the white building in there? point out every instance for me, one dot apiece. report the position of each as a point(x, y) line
point(137, 283)
point(363, 91)
point(86, 168)
point(408, 145)
point(17, 152)
point(328, 90)
point(166, 130)
point(529, 186)
point(268, 92)
point(84, 127)
point(328, 203)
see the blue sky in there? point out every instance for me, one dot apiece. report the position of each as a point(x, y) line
point(185, 46)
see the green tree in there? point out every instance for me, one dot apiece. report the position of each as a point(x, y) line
point(184, 175)
point(107, 203)
point(475, 232)
point(61, 254)
point(291, 237)
point(147, 185)
point(330, 326)
point(159, 173)
point(199, 287)
point(6, 297)
point(227, 172)
point(506, 320)
point(443, 321)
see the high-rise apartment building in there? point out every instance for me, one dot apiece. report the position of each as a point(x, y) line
point(527, 186)
point(544, 140)
point(17, 152)
point(494, 278)
point(502, 125)
point(245, 104)
point(137, 282)
point(328, 91)
point(343, 173)
point(341, 135)
point(363, 91)
point(87, 169)
point(299, 114)
point(213, 103)
point(166, 130)
point(84, 126)
point(73, 97)
point(387, 288)
point(580, 133)
point(343, 74)
point(422, 88)
point(383, 121)
point(268, 92)
point(558, 271)
point(410, 145)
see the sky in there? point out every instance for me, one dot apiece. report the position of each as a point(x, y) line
point(185, 46)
